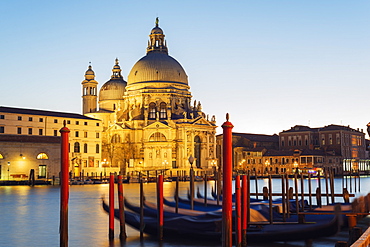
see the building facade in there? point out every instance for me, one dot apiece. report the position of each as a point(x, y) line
point(30, 136)
point(301, 149)
point(150, 121)
point(342, 141)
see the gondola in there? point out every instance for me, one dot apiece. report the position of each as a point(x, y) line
point(150, 209)
point(201, 227)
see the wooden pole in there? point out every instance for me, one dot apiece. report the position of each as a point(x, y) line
point(160, 206)
point(302, 192)
point(296, 193)
point(191, 188)
point(359, 181)
point(350, 180)
point(283, 196)
point(238, 223)
point(331, 179)
point(64, 190)
point(122, 234)
point(354, 178)
point(205, 190)
point(309, 190)
point(111, 207)
point(31, 180)
point(218, 187)
point(318, 197)
point(244, 206)
point(287, 195)
point(256, 183)
point(141, 209)
point(227, 184)
point(177, 193)
point(270, 199)
point(327, 187)
point(248, 199)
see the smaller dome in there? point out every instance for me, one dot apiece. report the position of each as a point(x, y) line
point(115, 87)
point(112, 90)
point(156, 30)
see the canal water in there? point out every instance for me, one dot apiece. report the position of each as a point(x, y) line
point(29, 216)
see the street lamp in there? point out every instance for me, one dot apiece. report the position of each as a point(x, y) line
point(104, 163)
point(8, 168)
point(164, 163)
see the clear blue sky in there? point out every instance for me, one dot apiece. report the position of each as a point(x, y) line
point(270, 64)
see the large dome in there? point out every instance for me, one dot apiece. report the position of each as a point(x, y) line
point(157, 67)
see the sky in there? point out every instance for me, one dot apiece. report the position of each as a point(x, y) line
point(270, 64)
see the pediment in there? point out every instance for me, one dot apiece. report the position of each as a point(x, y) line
point(201, 121)
point(116, 126)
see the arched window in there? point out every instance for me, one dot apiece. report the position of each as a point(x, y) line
point(163, 111)
point(85, 148)
point(42, 156)
point(116, 138)
point(97, 148)
point(157, 137)
point(152, 111)
point(76, 148)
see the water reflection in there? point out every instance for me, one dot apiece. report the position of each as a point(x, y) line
point(30, 215)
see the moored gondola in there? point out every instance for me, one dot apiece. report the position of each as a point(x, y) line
point(200, 227)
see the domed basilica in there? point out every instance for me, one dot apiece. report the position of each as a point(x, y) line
point(149, 121)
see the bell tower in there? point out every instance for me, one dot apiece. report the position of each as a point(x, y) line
point(89, 92)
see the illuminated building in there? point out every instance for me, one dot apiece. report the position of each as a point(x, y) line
point(150, 122)
point(30, 139)
point(301, 148)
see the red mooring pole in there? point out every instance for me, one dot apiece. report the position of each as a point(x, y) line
point(227, 184)
point(122, 234)
point(238, 223)
point(160, 206)
point(111, 207)
point(244, 200)
point(64, 190)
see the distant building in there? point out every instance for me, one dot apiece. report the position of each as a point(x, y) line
point(248, 148)
point(30, 139)
point(341, 141)
point(150, 122)
point(300, 149)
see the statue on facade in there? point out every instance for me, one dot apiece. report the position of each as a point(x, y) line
point(199, 107)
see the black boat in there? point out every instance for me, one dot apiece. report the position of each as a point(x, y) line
point(205, 228)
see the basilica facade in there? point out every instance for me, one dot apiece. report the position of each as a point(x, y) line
point(150, 121)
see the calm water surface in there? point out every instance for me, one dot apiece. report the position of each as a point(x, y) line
point(29, 216)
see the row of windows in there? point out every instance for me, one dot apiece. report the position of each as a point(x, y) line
point(77, 148)
point(41, 132)
point(30, 131)
point(20, 118)
point(77, 134)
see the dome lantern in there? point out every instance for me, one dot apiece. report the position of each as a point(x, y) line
point(156, 40)
point(116, 71)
